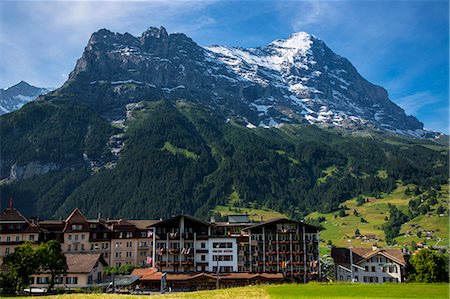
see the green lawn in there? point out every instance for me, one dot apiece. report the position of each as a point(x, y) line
point(312, 290)
point(359, 291)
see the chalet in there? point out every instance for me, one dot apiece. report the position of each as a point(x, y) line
point(83, 270)
point(370, 265)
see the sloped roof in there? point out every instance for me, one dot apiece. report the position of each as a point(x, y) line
point(83, 263)
point(280, 219)
point(11, 214)
point(147, 274)
point(342, 255)
point(76, 216)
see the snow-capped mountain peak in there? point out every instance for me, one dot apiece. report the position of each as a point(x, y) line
point(14, 97)
point(300, 42)
point(292, 80)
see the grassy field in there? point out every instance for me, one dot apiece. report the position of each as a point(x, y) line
point(340, 229)
point(313, 290)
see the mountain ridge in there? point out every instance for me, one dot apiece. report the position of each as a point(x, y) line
point(154, 125)
point(295, 80)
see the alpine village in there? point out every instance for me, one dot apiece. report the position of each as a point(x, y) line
point(162, 167)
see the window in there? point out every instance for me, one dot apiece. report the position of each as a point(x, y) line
point(203, 257)
point(222, 257)
point(223, 245)
point(82, 236)
point(82, 246)
point(69, 247)
point(42, 280)
point(203, 245)
point(373, 268)
point(8, 239)
point(7, 250)
point(118, 254)
point(71, 280)
point(77, 226)
point(76, 247)
point(76, 237)
point(31, 237)
point(69, 237)
point(17, 238)
point(367, 268)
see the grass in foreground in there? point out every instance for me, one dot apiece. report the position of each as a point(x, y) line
point(312, 290)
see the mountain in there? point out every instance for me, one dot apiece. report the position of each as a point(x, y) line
point(14, 97)
point(297, 80)
point(156, 125)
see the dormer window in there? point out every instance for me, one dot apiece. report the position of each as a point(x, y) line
point(77, 226)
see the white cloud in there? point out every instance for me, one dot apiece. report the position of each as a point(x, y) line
point(44, 38)
point(412, 104)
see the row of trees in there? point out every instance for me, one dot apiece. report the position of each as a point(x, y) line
point(26, 261)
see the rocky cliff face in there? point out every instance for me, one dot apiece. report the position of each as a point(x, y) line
point(288, 81)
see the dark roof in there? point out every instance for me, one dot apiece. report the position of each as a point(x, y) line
point(76, 216)
point(51, 226)
point(342, 255)
point(223, 223)
point(12, 215)
point(123, 225)
point(189, 217)
point(33, 228)
point(276, 220)
point(83, 262)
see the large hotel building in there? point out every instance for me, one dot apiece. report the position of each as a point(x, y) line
point(181, 244)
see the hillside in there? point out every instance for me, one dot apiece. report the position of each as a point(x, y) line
point(172, 157)
point(375, 211)
point(156, 125)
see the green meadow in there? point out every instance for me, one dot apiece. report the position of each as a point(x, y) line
point(312, 290)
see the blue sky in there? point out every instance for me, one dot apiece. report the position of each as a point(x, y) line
point(400, 45)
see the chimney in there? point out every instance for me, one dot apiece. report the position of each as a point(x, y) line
point(98, 216)
point(261, 218)
point(374, 247)
point(213, 219)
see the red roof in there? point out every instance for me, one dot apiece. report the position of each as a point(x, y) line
point(151, 274)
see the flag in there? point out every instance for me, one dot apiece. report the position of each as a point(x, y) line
point(149, 260)
point(149, 234)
